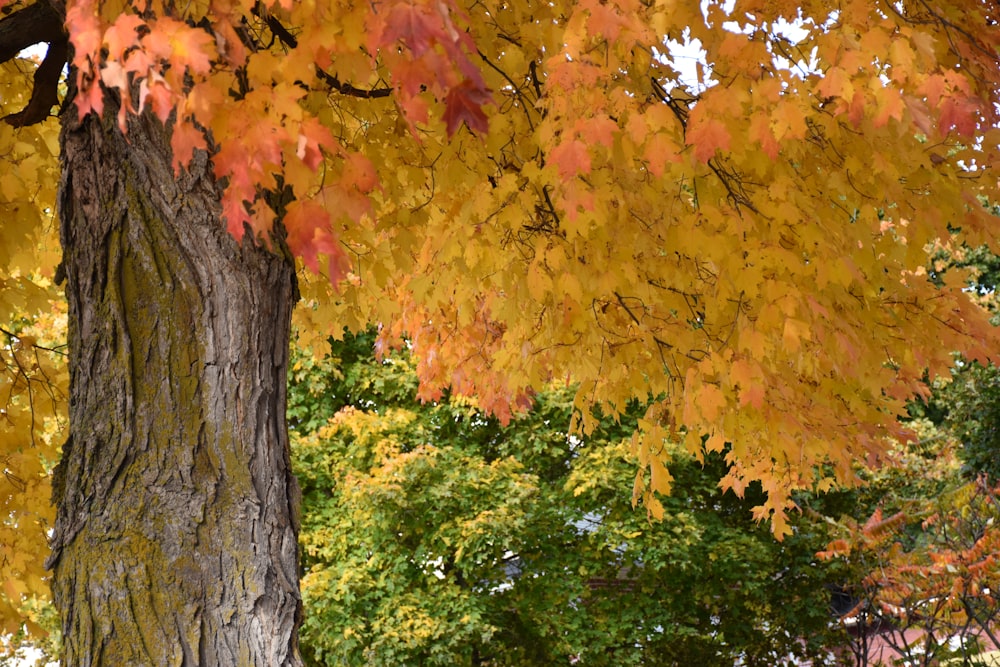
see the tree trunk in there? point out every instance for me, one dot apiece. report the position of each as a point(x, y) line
point(175, 542)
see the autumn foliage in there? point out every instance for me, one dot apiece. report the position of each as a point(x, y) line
point(527, 191)
point(928, 575)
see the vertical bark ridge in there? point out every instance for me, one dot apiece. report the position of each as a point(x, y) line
point(175, 542)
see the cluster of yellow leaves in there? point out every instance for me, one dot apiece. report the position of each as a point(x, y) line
point(33, 374)
point(33, 396)
point(748, 255)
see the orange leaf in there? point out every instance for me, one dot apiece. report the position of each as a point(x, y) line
point(180, 44)
point(707, 137)
point(752, 394)
point(711, 402)
point(122, 35)
point(571, 158)
point(185, 139)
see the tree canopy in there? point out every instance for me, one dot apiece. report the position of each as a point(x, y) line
point(527, 192)
point(434, 535)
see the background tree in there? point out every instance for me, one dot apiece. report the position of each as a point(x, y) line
point(966, 405)
point(524, 192)
point(434, 535)
point(926, 590)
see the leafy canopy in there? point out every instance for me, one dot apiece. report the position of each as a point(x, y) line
point(33, 377)
point(434, 535)
point(529, 191)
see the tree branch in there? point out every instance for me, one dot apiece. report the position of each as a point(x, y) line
point(39, 22)
point(347, 89)
point(45, 92)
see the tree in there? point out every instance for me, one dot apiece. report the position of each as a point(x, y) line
point(434, 535)
point(521, 192)
point(968, 404)
point(927, 573)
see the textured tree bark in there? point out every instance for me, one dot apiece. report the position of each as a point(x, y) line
point(175, 542)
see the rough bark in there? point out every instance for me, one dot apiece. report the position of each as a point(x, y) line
point(175, 542)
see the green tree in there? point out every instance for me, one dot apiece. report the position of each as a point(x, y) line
point(967, 405)
point(434, 535)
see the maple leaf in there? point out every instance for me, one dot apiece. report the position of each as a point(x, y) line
point(571, 158)
point(312, 138)
point(310, 235)
point(762, 133)
point(228, 43)
point(660, 478)
point(157, 93)
point(961, 114)
point(711, 402)
point(180, 44)
point(90, 97)
point(85, 34)
point(597, 130)
point(358, 173)
point(604, 21)
point(235, 214)
point(122, 35)
point(184, 141)
point(752, 395)
point(835, 82)
point(416, 24)
point(113, 75)
point(707, 136)
point(660, 150)
point(422, 27)
point(464, 104)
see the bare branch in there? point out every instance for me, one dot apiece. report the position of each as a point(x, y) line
point(31, 25)
point(45, 92)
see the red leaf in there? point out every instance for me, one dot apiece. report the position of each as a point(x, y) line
point(464, 104)
point(961, 114)
point(154, 90)
point(416, 25)
point(312, 138)
point(310, 234)
point(234, 211)
point(91, 96)
point(85, 33)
